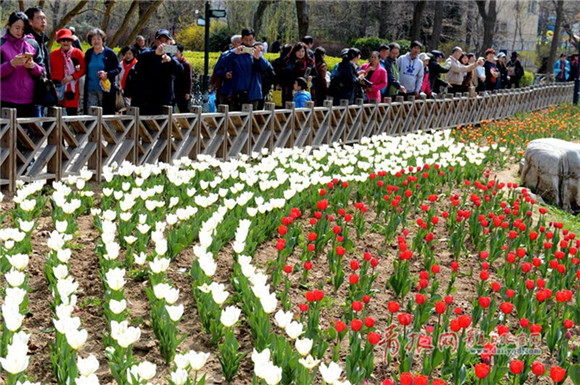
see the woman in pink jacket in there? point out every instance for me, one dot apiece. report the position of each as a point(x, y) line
point(19, 56)
point(374, 73)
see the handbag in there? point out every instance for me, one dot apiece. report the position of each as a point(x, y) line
point(277, 98)
point(119, 101)
point(60, 91)
point(44, 92)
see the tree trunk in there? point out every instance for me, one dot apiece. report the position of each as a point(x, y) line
point(437, 24)
point(417, 19)
point(64, 21)
point(41, 4)
point(362, 26)
point(383, 26)
point(109, 4)
point(489, 18)
point(556, 38)
point(142, 21)
point(21, 5)
point(125, 24)
point(259, 15)
point(302, 13)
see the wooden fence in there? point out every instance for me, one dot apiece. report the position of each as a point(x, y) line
point(57, 146)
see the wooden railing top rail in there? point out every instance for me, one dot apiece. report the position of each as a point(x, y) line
point(57, 146)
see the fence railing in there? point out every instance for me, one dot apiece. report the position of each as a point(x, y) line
point(57, 146)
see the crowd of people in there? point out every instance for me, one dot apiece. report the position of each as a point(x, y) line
point(156, 76)
point(148, 78)
point(301, 74)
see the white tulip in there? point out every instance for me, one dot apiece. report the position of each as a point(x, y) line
point(117, 307)
point(197, 360)
point(18, 261)
point(294, 329)
point(303, 346)
point(282, 318)
point(63, 255)
point(12, 317)
point(76, 338)
point(115, 278)
point(159, 265)
point(15, 278)
point(230, 316)
point(269, 302)
point(330, 373)
point(179, 376)
point(87, 366)
point(175, 312)
point(309, 362)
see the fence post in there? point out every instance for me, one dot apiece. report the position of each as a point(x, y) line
point(96, 159)
point(54, 165)
point(224, 109)
point(167, 135)
point(291, 124)
point(197, 131)
point(134, 134)
point(247, 147)
point(8, 168)
point(272, 108)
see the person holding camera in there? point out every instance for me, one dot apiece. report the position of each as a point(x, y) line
point(411, 71)
point(375, 77)
point(68, 66)
point(244, 65)
point(154, 74)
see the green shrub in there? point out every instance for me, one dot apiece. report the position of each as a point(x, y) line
point(367, 45)
point(405, 46)
point(527, 80)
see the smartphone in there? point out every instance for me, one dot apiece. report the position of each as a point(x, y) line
point(170, 49)
point(249, 50)
point(307, 73)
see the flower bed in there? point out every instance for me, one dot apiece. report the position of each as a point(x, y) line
point(398, 259)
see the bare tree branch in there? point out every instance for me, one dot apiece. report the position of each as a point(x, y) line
point(142, 21)
point(107, 17)
point(65, 20)
point(125, 24)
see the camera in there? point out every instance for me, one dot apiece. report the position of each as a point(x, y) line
point(172, 49)
point(366, 82)
point(248, 50)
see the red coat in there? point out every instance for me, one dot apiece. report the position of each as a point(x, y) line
point(57, 72)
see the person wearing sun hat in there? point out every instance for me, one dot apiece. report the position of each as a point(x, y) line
point(68, 66)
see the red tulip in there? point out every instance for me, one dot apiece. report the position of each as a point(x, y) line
point(481, 370)
point(538, 369)
point(406, 379)
point(405, 318)
point(506, 307)
point(440, 307)
point(484, 302)
point(369, 322)
point(374, 338)
point(393, 307)
point(340, 326)
point(357, 305)
point(557, 373)
point(516, 366)
point(356, 324)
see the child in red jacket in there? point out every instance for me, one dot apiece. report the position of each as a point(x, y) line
point(67, 66)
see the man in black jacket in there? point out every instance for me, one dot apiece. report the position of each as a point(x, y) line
point(36, 26)
point(154, 74)
point(515, 70)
